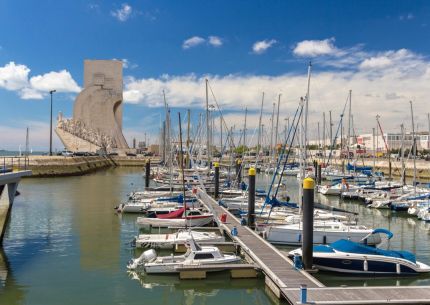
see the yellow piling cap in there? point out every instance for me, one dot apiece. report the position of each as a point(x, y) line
point(251, 171)
point(216, 164)
point(308, 184)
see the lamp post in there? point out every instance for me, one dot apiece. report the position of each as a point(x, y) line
point(50, 126)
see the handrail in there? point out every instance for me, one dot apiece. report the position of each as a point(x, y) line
point(13, 164)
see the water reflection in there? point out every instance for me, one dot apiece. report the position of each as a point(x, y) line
point(202, 291)
point(11, 293)
point(99, 229)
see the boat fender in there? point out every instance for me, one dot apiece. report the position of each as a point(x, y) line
point(398, 270)
point(234, 231)
point(324, 240)
point(299, 237)
point(243, 221)
point(365, 265)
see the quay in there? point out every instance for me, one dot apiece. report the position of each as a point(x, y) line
point(286, 282)
point(61, 166)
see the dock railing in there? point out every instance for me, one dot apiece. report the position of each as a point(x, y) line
point(13, 164)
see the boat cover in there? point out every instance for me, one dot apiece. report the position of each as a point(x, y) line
point(172, 215)
point(348, 246)
point(356, 168)
point(274, 202)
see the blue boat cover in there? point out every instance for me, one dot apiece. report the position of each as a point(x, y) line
point(276, 203)
point(351, 167)
point(348, 246)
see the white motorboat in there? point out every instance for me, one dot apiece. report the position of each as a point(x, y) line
point(169, 241)
point(346, 256)
point(325, 232)
point(196, 255)
point(145, 206)
point(182, 218)
point(336, 189)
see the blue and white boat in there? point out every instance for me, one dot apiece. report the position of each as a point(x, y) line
point(346, 256)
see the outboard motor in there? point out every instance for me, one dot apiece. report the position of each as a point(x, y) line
point(146, 257)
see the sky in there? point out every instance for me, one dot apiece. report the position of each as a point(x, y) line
point(378, 49)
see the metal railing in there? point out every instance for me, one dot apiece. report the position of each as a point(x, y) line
point(13, 164)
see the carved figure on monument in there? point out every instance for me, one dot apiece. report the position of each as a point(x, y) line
point(97, 112)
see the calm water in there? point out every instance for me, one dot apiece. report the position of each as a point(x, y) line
point(65, 245)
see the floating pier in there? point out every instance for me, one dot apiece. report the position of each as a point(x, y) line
point(289, 284)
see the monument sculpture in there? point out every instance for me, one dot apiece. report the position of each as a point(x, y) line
point(97, 113)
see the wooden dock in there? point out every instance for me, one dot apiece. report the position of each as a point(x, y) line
point(285, 281)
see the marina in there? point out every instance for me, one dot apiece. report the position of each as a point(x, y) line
point(215, 153)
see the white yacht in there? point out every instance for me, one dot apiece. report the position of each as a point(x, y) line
point(324, 232)
point(196, 255)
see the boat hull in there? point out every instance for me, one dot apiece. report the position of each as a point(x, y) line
point(294, 236)
point(371, 266)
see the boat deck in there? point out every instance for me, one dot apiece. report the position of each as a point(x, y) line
point(285, 281)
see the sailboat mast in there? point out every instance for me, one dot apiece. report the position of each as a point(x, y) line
point(207, 125)
point(331, 131)
point(323, 135)
point(374, 148)
point(402, 151)
point(307, 111)
point(271, 129)
point(348, 142)
point(377, 136)
point(188, 138)
point(181, 158)
point(244, 127)
point(277, 123)
point(414, 147)
point(220, 129)
point(259, 128)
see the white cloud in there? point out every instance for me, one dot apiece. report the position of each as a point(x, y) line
point(124, 13)
point(313, 48)
point(13, 76)
point(376, 62)
point(192, 42)
point(126, 64)
point(259, 47)
point(377, 89)
point(30, 94)
point(215, 41)
point(61, 81)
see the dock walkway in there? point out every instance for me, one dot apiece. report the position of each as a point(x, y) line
point(276, 266)
point(285, 281)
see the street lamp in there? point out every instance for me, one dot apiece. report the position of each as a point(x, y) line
point(50, 126)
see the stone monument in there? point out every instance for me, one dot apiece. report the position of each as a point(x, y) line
point(97, 112)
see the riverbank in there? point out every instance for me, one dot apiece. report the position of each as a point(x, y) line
point(57, 166)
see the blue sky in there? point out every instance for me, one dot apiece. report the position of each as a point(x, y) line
point(379, 49)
